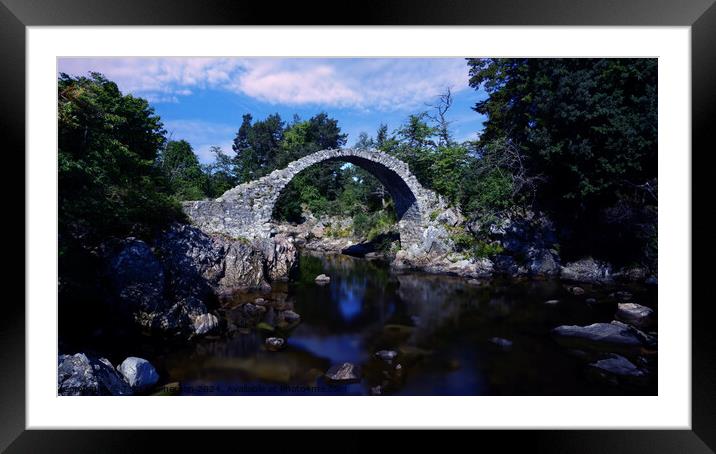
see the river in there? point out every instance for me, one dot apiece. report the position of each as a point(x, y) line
point(447, 333)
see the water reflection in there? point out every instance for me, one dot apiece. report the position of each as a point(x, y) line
point(440, 326)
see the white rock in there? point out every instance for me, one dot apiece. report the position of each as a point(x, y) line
point(205, 323)
point(138, 372)
point(322, 279)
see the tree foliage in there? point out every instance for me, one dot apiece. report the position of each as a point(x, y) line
point(109, 183)
point(585, 129)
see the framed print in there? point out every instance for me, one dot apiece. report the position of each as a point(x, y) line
point(416, 216)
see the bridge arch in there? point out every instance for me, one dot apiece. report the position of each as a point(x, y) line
point(246, 210)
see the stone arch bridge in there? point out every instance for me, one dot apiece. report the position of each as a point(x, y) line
point(246, 210)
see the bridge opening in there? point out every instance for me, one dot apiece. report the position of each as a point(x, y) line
point(368, 193)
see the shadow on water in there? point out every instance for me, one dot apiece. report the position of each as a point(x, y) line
point(440, 326)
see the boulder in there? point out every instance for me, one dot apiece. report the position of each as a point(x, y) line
point(136, 277)
point(588, 270)
point(609, 337)
point(343, 373)
point(322, 279)
point(205, 323)
point(280, 257)
point(82, 375)
point(139, 373)
point(543, 262)
point(637, 315)
point(575, 290)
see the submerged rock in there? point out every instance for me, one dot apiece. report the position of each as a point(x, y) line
point(386, 355)
point(290, 317)
point(622, 296)
point(616, 369)
point(81, 375)
point(322, 279)
point(503, 344)
point(343, 373)
point(138, 372)
point(600, 336)
point(635, 314)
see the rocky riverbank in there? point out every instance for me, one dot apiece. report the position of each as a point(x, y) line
point(513, 245)
point(170, 286)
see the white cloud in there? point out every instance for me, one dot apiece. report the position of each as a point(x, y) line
point(367, 84)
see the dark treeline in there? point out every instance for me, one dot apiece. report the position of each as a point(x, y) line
point(573, 138)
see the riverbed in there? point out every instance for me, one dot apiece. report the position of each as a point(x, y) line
point(452, 336)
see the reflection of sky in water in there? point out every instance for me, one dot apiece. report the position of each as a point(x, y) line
point(350, 299)
point(343, 322)
point(337, 348)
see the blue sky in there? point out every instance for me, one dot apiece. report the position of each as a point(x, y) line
point(202, 100)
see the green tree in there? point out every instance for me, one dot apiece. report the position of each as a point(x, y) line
point(256, 146)
point(109, 184)
point(221, 174)
point(414, 144)
point(183, 171)
point(585, 127)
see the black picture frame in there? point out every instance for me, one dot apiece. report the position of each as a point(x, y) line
point(700, 15)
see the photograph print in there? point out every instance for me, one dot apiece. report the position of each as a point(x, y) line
point(357, 226)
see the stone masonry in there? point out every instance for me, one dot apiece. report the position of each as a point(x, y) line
point(246, 210)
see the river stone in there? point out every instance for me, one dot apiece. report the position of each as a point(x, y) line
point(343, 373)
point(575, 290)
point(274, 343)
point(503, 344)
point(80, 375)
point(205, 323)
point(622, 296)
point(614, 336)
point(635, 314)
point(138, 372)
point(290, 317)
point(551, 302)
point(615, 369)
point(386, 355)
point(322, 279)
